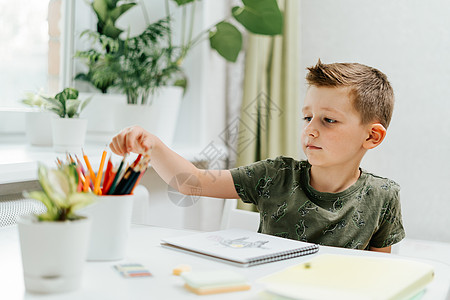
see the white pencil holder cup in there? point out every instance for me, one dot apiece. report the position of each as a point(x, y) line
point(111, 220)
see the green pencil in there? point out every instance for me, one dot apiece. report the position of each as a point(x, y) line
point(116, 178)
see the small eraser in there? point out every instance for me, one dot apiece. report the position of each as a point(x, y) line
point(215, 278)
point(180, 269)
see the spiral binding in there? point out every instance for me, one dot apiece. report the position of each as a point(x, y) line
point(284, 255)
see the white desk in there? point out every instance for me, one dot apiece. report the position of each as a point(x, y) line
point(101, 281)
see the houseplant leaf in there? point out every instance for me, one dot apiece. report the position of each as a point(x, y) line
point(85, 103)
point(42, 196)
point(226, 40)
point(55, 184)
point(55, 106)
point(110, 30)
point(72, 108)
point(183, 2)
point(260, 16)
point(67, 93)
point(119, 10)
point(80, 200)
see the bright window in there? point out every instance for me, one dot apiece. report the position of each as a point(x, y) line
point(24, 49)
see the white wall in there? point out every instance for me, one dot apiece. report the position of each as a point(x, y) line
point(409, 40)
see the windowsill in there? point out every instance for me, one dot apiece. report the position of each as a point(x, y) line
point(19, 160)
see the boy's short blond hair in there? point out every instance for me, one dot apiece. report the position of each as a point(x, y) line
point(370, 90)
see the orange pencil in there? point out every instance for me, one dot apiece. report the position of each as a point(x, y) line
point(86, 184)
point(88, 165)
point(98, 178)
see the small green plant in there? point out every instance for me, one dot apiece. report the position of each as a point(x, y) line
point(66, 103)
point(34, 100)
point(60, 193)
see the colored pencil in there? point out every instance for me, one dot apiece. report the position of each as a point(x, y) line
point(108, 183)
point(124, 182)
point(116, 178)
point(108, 171)
point(98, 178)
point(88, 166)
point(87, 181)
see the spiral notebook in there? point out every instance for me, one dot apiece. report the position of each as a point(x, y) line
point(240, 247)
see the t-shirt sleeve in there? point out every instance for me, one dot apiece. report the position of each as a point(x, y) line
point(391, 229)
point(251, 182)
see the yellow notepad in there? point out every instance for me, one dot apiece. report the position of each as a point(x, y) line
point(330, 276)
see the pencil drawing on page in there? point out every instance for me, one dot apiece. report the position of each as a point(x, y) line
point(238, 243)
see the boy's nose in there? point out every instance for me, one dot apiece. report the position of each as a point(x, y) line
point(311, 130)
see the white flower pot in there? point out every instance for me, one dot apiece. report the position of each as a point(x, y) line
point(159, 118)
point(68, 134)
point(38, 128)
point(100, 113)
point(111, 221)
point(53, 253)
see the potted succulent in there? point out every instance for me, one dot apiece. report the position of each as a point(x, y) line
point(143, 66)
point(54, 244)
point(69, 130)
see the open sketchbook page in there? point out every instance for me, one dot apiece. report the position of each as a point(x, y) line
point(240, 246)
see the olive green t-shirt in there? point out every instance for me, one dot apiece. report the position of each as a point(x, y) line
point(366, 214)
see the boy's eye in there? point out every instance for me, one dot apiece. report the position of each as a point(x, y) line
point(329, 120)
point(307, 119)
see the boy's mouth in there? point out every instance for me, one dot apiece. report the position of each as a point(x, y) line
point(312, 147)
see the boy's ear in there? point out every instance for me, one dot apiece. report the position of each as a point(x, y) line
point(377, 132)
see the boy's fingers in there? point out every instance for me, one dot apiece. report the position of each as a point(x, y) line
point(143, 143)
point(115, 146)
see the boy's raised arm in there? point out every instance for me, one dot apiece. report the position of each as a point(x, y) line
point(172, 168)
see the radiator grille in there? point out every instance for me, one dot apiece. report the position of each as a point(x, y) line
point(15, 205)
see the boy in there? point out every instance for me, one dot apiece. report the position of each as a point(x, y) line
point(327, 199)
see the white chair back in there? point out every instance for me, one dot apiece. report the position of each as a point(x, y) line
point(233, 217)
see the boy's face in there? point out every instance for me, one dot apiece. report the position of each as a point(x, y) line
point(333, 134)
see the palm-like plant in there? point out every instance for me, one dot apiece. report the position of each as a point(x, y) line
point(140, 65)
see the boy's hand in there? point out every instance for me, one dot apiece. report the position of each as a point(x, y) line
point(132, 139)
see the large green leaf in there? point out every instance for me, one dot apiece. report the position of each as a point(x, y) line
point(183, 2)
point(110, 30)
point(67, 93)
point(118, 11)
point(226, 40)
point(101, 9)
point(260, 16)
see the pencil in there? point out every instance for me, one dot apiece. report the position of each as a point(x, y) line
point(86, 183)
point(108, 171)
point(107, 183)
point(116, 178)
point(131, 183)
point(124, 182)
point(80, 180)
point(88, 165)
point(98, 178)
